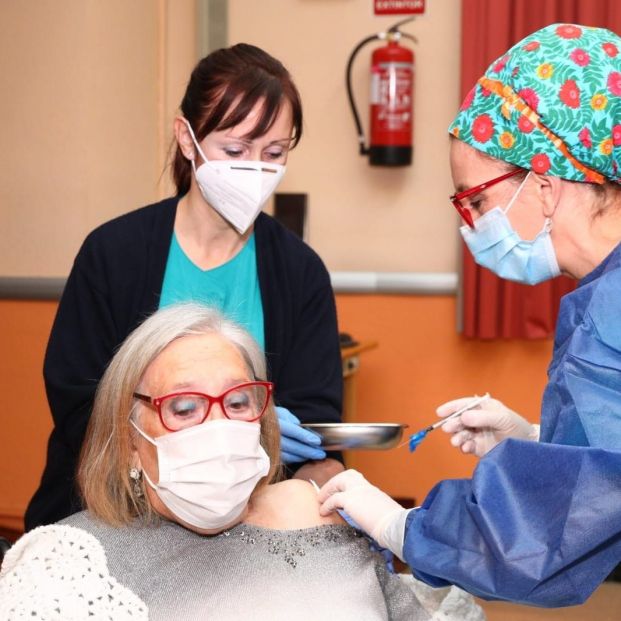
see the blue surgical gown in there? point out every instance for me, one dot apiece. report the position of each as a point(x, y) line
point(540, 522)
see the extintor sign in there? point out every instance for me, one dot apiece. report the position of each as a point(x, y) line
point(398, 7)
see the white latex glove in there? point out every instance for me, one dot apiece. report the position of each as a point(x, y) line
point(479, 430)
point(374, 511)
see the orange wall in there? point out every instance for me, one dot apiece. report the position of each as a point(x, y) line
point(419, 363)
point(24, 414)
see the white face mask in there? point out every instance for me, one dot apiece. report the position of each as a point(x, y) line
point(236, 189)
point(208, 472)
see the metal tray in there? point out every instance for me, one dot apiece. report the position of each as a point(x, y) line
point(348, 436)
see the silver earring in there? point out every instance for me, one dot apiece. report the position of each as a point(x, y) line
point(136, 476)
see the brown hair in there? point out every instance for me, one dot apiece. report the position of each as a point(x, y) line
point(106, 458)
point(240, 75)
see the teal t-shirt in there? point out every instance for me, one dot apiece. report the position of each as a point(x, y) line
point(233, 287)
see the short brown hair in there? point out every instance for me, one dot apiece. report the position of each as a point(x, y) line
point(105, 461)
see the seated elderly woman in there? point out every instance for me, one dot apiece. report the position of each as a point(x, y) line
point(181, 520)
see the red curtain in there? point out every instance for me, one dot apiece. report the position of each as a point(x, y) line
point(495, 308)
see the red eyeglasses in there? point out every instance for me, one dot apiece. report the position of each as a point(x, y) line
point(456, 199)
point(180, 410)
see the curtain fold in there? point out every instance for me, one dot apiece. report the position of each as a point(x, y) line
point(492, 307)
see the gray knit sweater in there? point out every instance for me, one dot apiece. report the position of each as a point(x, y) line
point(325, 572)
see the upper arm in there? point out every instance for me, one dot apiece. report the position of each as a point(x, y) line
point(290, 504)
point(310, 383)
point(305, 506)
point(81, 343)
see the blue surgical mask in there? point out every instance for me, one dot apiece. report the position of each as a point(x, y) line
point(494, 244)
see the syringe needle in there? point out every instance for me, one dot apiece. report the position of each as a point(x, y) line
point(472, 404)
point(416, 438)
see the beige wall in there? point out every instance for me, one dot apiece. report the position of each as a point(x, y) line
point(362, 217)
point(89, 92)
point(89, 88)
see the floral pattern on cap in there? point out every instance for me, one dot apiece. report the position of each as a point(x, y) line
point(551, 104)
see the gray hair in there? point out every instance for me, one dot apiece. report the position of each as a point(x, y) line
point(103, 473)
point(187, 319)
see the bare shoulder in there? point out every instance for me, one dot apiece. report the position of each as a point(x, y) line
point(287, 505)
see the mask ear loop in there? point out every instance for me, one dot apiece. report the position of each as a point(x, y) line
point(148, 439)
point(547, 223)
point(142, 433)
point(517, 193)
point(198, 148)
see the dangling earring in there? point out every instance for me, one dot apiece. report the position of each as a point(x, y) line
point(136, 475)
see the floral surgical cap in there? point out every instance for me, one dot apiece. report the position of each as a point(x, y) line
point(551, 104)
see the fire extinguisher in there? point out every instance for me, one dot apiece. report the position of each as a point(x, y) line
point(392, 95)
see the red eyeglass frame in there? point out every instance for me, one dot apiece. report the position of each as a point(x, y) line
point(456, 199)
point(156, 402)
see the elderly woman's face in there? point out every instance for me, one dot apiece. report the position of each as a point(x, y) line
point(470, 168)
point(208, 364)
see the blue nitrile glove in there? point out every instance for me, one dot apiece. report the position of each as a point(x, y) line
point(296, 443)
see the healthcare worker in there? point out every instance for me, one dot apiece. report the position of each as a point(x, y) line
point(535, 159)
point(240, 116)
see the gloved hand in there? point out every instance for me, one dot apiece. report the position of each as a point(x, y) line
point(296, 443)
point(479, 430)
point(374, 511)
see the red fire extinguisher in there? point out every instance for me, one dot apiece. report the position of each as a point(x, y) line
point(392, 95)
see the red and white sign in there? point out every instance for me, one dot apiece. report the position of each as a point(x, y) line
point(398, 7)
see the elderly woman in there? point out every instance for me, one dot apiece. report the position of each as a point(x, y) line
point(535, 158)
point(181, 518)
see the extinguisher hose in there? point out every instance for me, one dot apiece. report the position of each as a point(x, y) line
point(364, 150)
point(395, 27)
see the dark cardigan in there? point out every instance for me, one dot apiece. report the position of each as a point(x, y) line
point(115, 284)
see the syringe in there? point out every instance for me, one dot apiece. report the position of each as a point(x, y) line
point(416, 438)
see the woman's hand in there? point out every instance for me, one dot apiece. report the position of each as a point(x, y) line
point(296, 443)
point(479, 430)
point(372, 509)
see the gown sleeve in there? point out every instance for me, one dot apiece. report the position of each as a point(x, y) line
point(538, 524)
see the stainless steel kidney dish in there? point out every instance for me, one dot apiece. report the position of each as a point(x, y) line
point(348, 436)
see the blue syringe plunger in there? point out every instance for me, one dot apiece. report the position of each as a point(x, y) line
point(417, 438)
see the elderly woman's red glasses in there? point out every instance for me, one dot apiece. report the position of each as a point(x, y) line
point(456, 199)
point(180, 410)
